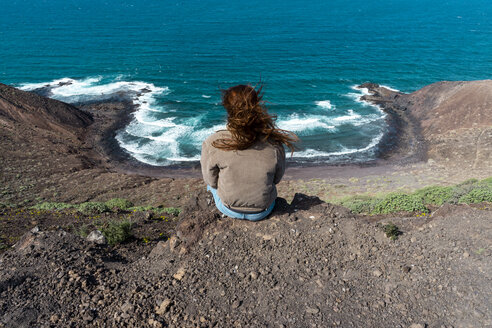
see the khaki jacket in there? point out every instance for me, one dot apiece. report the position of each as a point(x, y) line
point(245, 179)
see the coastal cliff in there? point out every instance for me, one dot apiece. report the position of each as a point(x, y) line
point(453, 120)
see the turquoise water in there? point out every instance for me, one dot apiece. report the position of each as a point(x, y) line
point(309, 55)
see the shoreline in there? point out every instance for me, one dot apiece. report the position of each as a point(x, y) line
point(401, 144)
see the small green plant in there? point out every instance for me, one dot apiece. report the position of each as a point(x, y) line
point(117, 231)
point(171, 210)
point(159, 210)
point(92, 207)
point(435, 195)
point(51, 206)
point(487, 181)
point(83, 231)
point(391, 231)
point(399, 202)
point(120, 203)
point(478, 195)
point(359, 204)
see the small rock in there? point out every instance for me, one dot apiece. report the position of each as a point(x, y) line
point(377, 273)
point(154, 323)
point(173, 243)
point(253, 275)
point(180, 274)
point(87, 317)
point(127, 307)
point(236, 304)
point(35, 229)
point(416, 325)
point(97, 237)
point(310, 310)
point(466, 254)
point(164, 307)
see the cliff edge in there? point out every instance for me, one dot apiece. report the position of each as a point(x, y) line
point(453, 120)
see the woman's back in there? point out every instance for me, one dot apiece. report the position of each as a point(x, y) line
point(247, 177)
point(242, 165)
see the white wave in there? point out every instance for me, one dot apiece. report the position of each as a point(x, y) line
point(198, 136)
point(71, 90)
point(350, 117)
point(309, 153)
point(205, 96)
point(389, 88)
point(363, 92)
point(297, 124)
point(34, 86)
point(326, 104)
point(184, 159)
point(141, 117)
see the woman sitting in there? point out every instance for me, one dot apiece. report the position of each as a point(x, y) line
point(242, 165)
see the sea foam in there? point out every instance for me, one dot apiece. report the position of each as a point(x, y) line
point(157, 135)
point(325, 104)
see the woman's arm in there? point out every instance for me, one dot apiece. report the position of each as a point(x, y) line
point(280, 167)
point(210, 169)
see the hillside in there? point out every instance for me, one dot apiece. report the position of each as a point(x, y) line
point(310, 264)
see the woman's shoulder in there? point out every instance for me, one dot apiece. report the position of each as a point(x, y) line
point(217, 135)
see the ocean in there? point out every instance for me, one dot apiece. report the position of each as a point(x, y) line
point(173, 58)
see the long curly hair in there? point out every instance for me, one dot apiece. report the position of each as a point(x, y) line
point(248, 120)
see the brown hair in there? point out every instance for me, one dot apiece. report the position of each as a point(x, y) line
point(248, 120)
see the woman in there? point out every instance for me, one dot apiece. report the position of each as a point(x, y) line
point(242, 165)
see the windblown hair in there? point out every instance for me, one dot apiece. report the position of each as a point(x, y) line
point(248, 120)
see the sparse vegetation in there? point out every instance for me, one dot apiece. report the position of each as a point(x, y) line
point(120, 203)
point(360, 204)
point(478, 195)
point(49, 206)
point(158, 210)
point(117, 231)
point(171, 210)
point(93, 207)
point(399, 202)
point(101, 207)
point(83, 231)
point(435, 195)
point(391, 231)
point(470, 191)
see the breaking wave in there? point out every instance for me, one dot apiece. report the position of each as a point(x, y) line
point(160, 134)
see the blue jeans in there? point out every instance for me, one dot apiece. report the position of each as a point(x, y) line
point(238, 215)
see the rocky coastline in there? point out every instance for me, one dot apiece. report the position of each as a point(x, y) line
point(311, 264)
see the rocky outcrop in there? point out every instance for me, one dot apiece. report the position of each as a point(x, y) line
point(453, 119)
point(32, 110)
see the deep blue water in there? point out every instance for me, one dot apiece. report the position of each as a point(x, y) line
point(309, 55)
